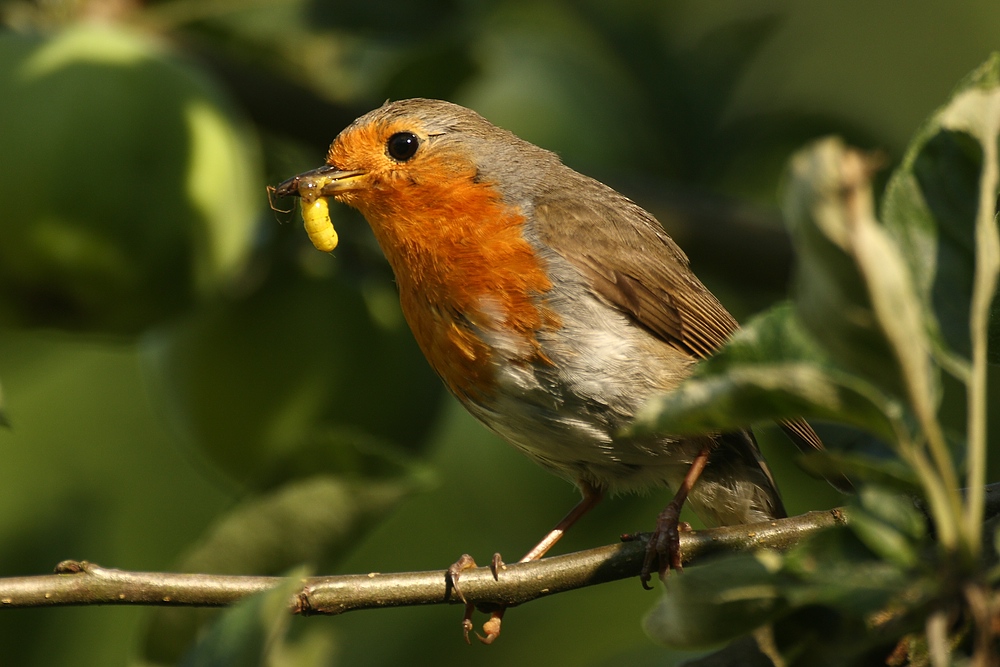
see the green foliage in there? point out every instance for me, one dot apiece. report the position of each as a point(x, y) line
point(192, 386)
point(255, 632)
point(880, 313)
point(268, 387)
point(115, 150)
point(933, 202)
point(717, 602)
point(771, 369)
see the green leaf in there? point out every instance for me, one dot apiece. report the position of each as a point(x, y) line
point(836, 587)
point(889, 472)
point(853, 288)
point(775, 336)
point(771, 369)
point(828, 587)
point(255, 632)
point(718, 601)
point(889, 524)
point(299, 377)
point(940, 204)
point(836, 569)
point(820, 597)
point(242, 633)
point(128, 209)
point(310, 521)
point(744, 396)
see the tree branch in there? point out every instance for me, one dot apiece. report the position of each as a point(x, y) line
point(83, 583)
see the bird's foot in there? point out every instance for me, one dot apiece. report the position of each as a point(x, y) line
point(664, 546)
point(491, 628)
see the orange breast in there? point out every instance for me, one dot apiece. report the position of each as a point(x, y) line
point(462, 266)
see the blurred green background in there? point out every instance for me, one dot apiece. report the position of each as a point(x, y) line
point(191, 386)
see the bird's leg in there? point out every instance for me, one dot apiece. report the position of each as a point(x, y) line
point(665, 544)
point(591, 496)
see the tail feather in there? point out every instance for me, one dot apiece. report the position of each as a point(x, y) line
point(805, 438)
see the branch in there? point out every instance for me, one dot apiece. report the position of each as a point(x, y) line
point(82, 583)
point(523, 582)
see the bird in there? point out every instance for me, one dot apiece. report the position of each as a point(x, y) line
point(552, 307)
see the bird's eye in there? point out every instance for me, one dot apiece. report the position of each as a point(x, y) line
point(402, 145)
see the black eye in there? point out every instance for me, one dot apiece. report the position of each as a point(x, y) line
point(402, 146)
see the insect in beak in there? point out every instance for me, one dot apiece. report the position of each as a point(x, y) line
point(314, 187)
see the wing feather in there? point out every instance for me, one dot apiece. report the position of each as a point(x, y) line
point(637, 268)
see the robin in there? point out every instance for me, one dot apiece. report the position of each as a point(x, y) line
point(551, 306)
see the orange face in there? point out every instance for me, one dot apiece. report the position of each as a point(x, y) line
point(461, 261)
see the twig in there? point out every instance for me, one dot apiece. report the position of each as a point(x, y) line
point(83, 583)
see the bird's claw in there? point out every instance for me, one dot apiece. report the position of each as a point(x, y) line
point(496, 564)
point(664, 546)
point(467, 622)
point(454, 571)
point(491, 627)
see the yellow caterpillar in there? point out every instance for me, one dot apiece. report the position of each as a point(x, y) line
point(316, 218)
point(315, 209)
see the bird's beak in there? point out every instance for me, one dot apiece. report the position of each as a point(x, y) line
point(323, 182)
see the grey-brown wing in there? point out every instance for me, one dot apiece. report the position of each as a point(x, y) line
point(638, 268)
